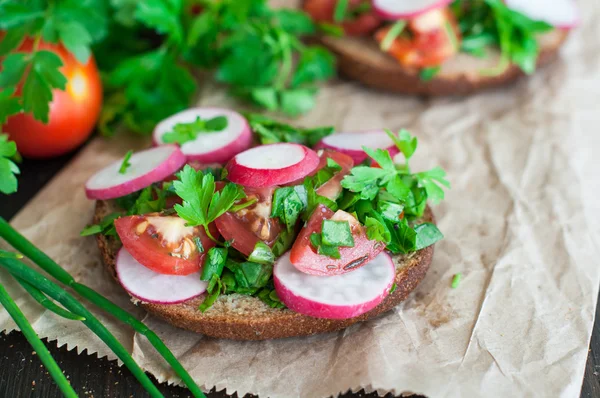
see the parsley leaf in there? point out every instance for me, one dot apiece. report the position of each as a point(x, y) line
point(125, 164)
point(8, 169)
point(9, 105)
point(216, 257)
point(105, 227)
point(288, 204)
point(184, 132)
point(43, 77)
point(202, 204)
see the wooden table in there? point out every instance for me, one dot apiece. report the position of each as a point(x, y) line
point(23, 375)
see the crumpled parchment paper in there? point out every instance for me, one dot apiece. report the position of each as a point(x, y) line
point(522, 225)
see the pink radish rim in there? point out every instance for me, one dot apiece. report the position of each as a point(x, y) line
point(357, 155)
point(389, 16)
point(248, 176)
point(145, 299)
point(309, 307)
point(170, 165)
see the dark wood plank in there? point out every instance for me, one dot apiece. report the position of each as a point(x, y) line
point(23, 375)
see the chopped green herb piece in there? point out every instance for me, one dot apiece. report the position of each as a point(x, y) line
point(392, 34)
point(337, 233)
point(198, 244)
point(456, 280)
point(340, 11)
point(125, 165)
point(427, 74)
point(184, 132)
point(393, 288)
point(288, 205)
point(105, 227)
point(427, 235)
point(214, 263)
point(262, 254)
point(214, 289)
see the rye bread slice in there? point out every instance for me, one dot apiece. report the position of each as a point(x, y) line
point(361, 59)
point(242, 317)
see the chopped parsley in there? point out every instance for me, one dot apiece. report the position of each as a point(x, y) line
point(125, 164)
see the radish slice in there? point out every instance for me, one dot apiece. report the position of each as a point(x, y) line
point(216, 147)
point(152, 287)
point(406, 9)
point(558, 13)
point(270, 165)
point(146, 167)
point(334, 297)
point(351, 144)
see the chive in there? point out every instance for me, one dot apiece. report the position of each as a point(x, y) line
point(21, 271)
point(20, 243)
point(5, 254)
point(455, 280)
point(41, 298)
point(392, 35)
point(125, 165)
point(35, 342)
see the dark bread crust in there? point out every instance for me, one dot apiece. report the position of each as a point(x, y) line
point(247, 318)
point(361, 59)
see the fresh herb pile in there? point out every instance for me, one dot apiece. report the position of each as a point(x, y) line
point(388, 199)
point(485, 23)
point(148, 52)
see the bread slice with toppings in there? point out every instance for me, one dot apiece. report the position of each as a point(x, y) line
point(362, 60)
point(239, 317)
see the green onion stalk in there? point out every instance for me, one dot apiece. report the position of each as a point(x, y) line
point(39, 347)
point(20, 243)
point(23, 272)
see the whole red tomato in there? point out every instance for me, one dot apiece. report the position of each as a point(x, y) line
point(73, 112)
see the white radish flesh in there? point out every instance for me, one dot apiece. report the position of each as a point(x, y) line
point(351, 144)
point(152, 287)
point(209, 147)
point(406, 9)
point(270, 165)
point(145, 168)
point(558, 13)
point(334, 297)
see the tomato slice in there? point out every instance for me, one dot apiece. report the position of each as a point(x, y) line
point(361, 25)
point(252, 224)
point(305, 257)
point(333, 188)
point(163, 243)
point(430, 45)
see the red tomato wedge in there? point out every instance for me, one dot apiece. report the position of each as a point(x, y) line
point(333, 188)
point(361, 25)
point(306, 259)
point(163, 243)
point(435, 38)
point(252, 224)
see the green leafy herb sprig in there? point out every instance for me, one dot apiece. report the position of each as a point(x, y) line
point(271, 131)
point(485, 23)
point(390, 200)
point(8, 167)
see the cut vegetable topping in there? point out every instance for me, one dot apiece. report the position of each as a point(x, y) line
point(145, 168)
point(152, 287)
point(406, 9)
point(206, 135)
point(310, 255)
point(558, 13)
point(270, 165)
point(351, 144)
point(335, 297)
